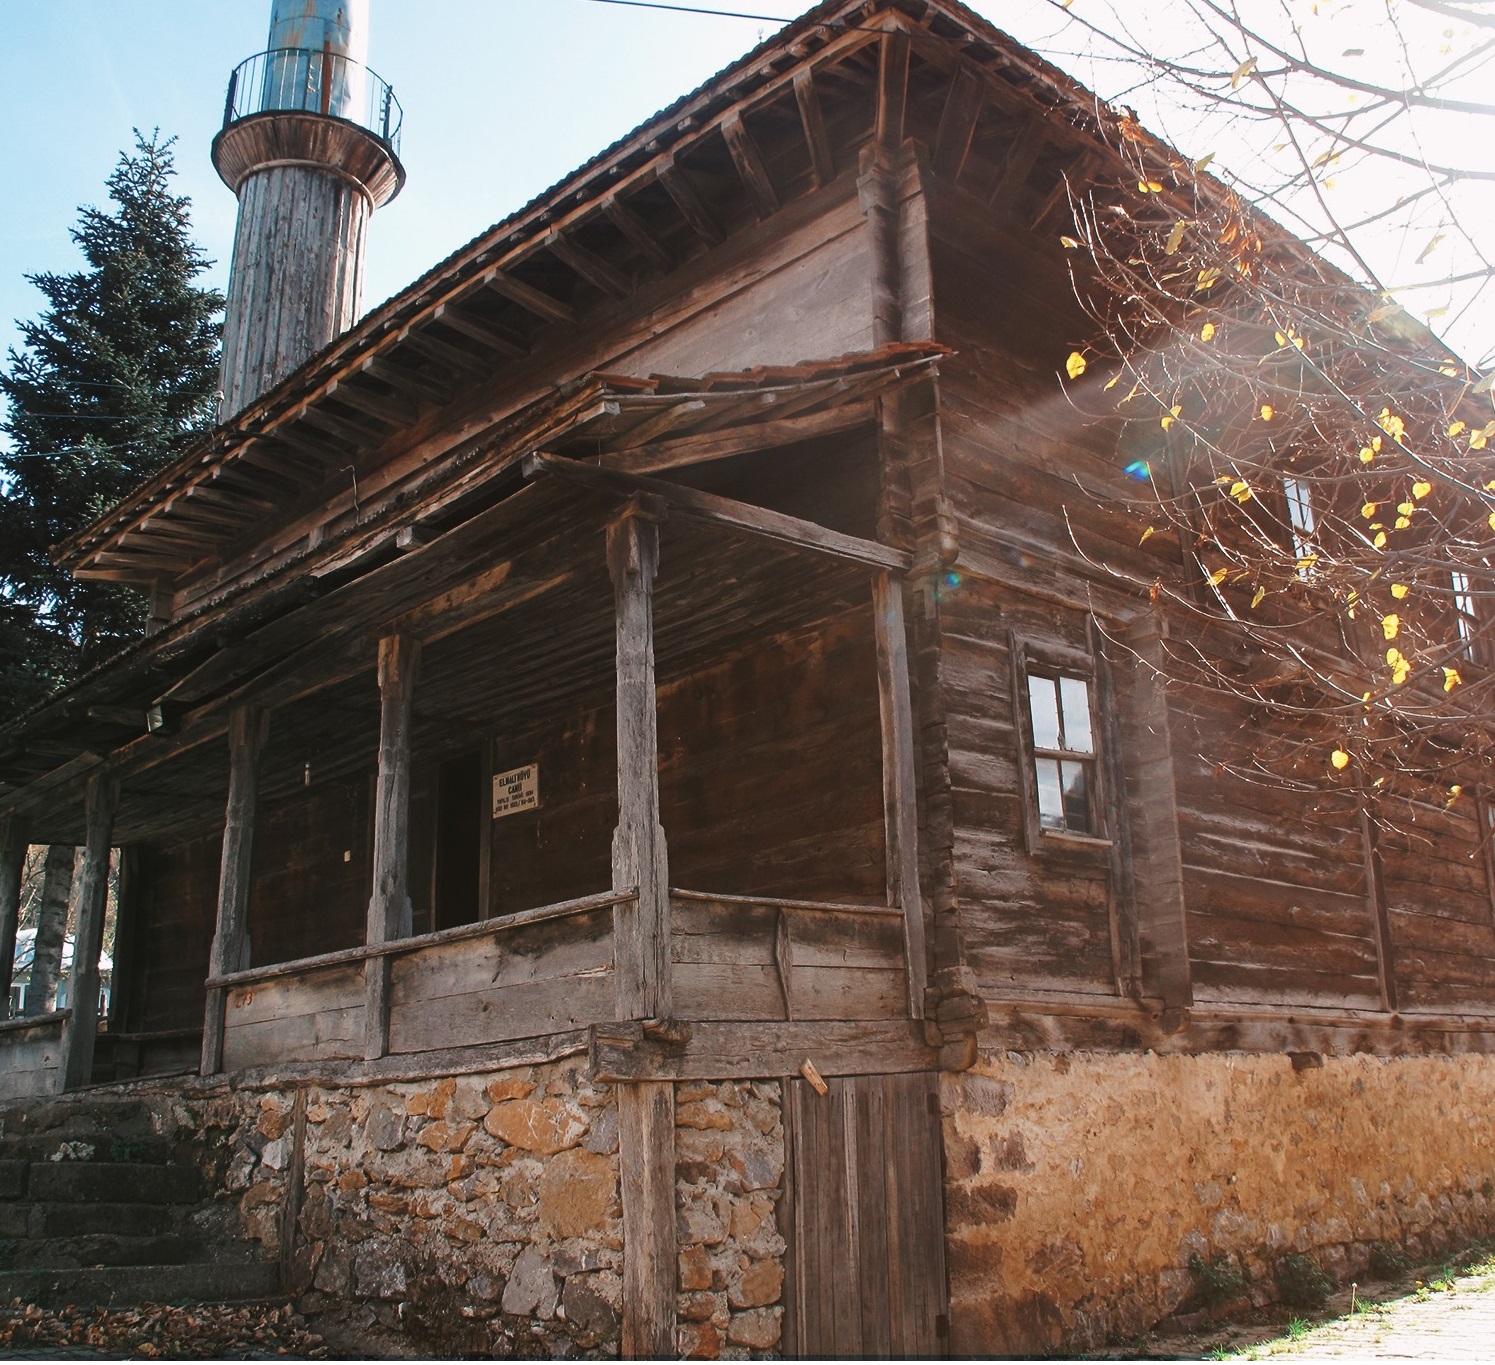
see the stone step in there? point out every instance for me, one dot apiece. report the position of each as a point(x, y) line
point(127, 1286)
point(116, 1182)
point(103, 1249)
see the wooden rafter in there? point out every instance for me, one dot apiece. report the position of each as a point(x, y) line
point(749, 163)
point(536, 301)
point(812, 122)
point(633, 227)
point(958, 120)
point(588, 264)
point(692, 208)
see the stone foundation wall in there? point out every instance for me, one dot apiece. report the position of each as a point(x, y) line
point(482, 1214)
point(1080, 1187)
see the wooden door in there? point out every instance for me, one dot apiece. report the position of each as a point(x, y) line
point(865, 1222)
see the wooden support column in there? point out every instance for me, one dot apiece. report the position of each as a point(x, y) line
point(900, 798)
point(248, 727)
point(390, 912)
point(641, 930)
point(12, 865)
point(641, 947)
point(86, 910)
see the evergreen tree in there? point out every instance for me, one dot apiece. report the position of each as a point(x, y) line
point(112, 381)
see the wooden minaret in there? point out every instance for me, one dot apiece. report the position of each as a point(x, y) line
point(309, 146)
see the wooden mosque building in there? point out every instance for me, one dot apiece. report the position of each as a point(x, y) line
point(647, 646)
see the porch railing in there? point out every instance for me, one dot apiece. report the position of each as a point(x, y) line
point(31, 1055)
point(551, 969)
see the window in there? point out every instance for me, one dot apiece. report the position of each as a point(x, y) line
point(1063, 753)
point(1057, 711)
point(1464, 615)
point(1301, 518)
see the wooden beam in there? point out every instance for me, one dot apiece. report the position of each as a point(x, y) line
point(638, 232)
point(390, 409)
point(822, 163)
point(469, 362)
point(958, 122)
point(743, 1049)
point(641, 927)
point(542, 305)
point(481, 330)
point(677, 185)
point(739, 440)
point(12, 866)
point(86, 906)
point(588, 264)
point(899, 780)
point(892, 89)
point(339, 428)
point(248, 728)
point(646, 1160)
point(405, 380)
point(1023, 153)
point(390, 914)
point(739, 516)
point(40, 789)
point(749, 163)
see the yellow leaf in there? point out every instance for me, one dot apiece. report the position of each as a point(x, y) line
point(1257, 596)
point(1369, 510)
point(1431, 247)
point(1391, 424)
point(1145, 534)
point(1492, 521)
point(1149, 187)
point(1208, 278)
point(1267, 412)
point(1171, 417)
point(1451, 680)
point(1456, 428)
point(1405, 509)
point(1281, 340)
point(1176, 237)
point(1207, 332)
point(1339, 758)
point(1366, 455)
point(1397, 662)
point(1240, 491)
point(1421, 488)
point(1241, 72)
point(1068, 243)
point(1204, 161)
point(1075, 365)
point(1454, 792)
point(1380, 540)
point(1218, 577)
point(1399, 591)
point(1307, 562)
point(1402, 523)
point(1390, 625)
point(1112, 382)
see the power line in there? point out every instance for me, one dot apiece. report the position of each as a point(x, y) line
point(694, 9)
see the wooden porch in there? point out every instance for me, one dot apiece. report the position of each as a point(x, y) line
point(523, 615)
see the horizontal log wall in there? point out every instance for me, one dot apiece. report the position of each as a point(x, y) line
point(1280, 902)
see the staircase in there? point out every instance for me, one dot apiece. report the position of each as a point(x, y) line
point(96, 1208)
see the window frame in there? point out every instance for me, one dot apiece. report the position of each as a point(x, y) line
point(1033, 658)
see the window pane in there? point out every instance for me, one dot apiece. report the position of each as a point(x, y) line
point(1077, 798)
point(1075, 695)
point(1043, 704)
point(1050, 794)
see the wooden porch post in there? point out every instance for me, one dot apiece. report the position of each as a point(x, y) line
point(390, 913)
point(12, 865)
point(86, 910)
point(641, 951)
point(248, 727)
point(899, 782)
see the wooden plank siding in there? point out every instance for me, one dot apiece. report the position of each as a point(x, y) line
point(31, 1056)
